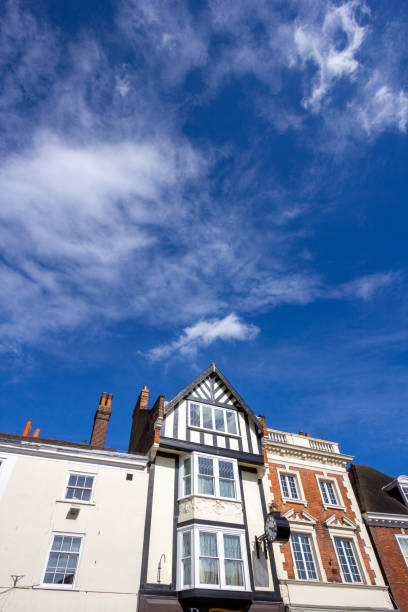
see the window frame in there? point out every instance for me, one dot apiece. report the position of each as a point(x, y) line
point(298, 483)
point(220, 531)
point(316, 560)
point(62, 587)
point(402, 536)
point(73, 500)
point(356, 555)
point(333, 481)
point(404, 491)
point(194, 473)
point(213, 407)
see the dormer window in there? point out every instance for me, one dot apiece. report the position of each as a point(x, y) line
point(400, 485)
point(213, 418)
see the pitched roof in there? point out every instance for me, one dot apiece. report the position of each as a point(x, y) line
point(17, 438)
point(213, 370)
point(368, 485)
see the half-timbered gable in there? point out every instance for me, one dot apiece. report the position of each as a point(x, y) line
point(207, 501)
point(209, 412)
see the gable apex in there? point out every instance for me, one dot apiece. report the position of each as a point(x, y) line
point(213, 372)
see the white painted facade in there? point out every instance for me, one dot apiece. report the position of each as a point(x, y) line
point(33, 507)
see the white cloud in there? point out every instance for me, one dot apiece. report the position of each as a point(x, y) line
point(365, 287)
point(333, 48)
point(381, 108)
point(78, 225)
point(205, 333)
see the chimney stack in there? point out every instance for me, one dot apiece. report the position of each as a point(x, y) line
point(27, 428)
point(101, 420)
point(141, 404)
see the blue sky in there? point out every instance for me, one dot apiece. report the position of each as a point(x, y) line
point(187, 182)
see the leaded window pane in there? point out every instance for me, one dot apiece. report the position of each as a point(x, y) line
point(219, 419)
point(227, 483)
point(231, 422)
point(206, 476)
point(195, 415)
point(207, 417)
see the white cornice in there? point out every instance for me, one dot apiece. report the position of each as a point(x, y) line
point(385, 520)
point(68, 453)
point(302, 452)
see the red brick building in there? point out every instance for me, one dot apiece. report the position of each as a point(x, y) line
point(329, 562)
point(384, 504)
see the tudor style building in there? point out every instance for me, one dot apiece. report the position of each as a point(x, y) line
point(383, 501)
point(329, 563)
point(206, 502)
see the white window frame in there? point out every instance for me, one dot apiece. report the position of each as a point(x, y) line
point(313, 548)
point(401, 536)
point(216, 431)
point(73, 500)
point(195, 530)
point(340, 502)
point(62, 587)
point(298, 483)
point(403, 487)
point(344, 535)
point(194, 477)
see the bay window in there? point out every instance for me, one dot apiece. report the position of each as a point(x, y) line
point(209, 476)
point(212, 558)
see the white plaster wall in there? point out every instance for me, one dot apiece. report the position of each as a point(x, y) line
point(182, 415)
point(255, 521)
point(314, 594)
point(254, 439)
point(161, 533)
point(242, 426)
point(113, 535)
point(169, 423)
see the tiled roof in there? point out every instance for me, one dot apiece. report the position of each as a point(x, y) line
point(16, 438)
point(367, 484)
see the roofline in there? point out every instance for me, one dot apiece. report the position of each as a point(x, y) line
point(212, 369)
point(385, 519)
point(86, 455)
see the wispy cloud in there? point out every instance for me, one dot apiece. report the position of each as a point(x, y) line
point(204, 333)
point(107, 206)
point(332, 46)
point(365, 287)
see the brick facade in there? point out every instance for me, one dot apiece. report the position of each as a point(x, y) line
point(101, 420)
point(392, 561)
point(316, 509)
